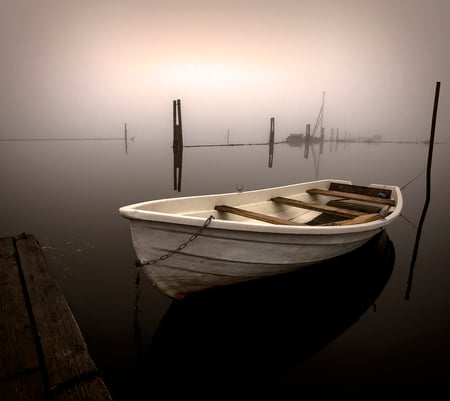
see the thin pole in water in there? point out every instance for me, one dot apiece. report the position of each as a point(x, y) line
point(428, 191)
point(126, 139)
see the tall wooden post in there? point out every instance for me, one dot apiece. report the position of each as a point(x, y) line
point(177, 126)
point(272, 129)
point(177, 145)
point(271, 140)
point(307, 138)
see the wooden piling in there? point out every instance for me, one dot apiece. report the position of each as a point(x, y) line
point(322, 138)
point(307, 140)
point(271, 140)
point(43, 353)
point(177, 145)
point(177, 125)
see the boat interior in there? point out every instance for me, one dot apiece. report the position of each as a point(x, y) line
point(340, 204)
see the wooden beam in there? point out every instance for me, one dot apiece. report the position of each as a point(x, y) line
point(347, 195)
point(254, 215)
point(357, 220)
point(337, 211)
point(362, 190)
point(361, 207)
point(20, 373)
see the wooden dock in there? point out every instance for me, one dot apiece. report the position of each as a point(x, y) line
point(43, 353)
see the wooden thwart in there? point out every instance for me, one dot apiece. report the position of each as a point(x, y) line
point(367, 218)
point(361, 207)
point(254, 215)
point(348, 195)
point(362, 190)
point(337, 211)
point(354, 213)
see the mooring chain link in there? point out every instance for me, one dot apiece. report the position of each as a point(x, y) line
point(183, 245)
point(163, 257)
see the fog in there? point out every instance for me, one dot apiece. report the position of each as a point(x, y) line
point(84, 68)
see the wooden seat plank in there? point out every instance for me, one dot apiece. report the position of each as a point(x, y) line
point(367, 218)
point(361, 207)
point(338, 211)
point(254, 215)
point(362, 190)
point(348, 195)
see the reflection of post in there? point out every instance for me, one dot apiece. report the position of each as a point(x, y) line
point(322, 138)
point(336, 140)
point(428, 193)
point(331, 139)
point(271, 140)
point(177, 145)
point(307, 138)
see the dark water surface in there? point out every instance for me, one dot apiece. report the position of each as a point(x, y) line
point(348, 329)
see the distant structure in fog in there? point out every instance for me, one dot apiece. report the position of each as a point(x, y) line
point(299, 139)
point(373, 138)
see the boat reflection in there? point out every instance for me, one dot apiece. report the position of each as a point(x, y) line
point(234, 337)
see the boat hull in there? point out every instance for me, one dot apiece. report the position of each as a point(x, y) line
point(223, 257)
point(185, 245)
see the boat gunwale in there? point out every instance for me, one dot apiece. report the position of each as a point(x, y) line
point(233, 225)
point(133, 212)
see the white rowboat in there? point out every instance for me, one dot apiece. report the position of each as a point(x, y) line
point(189, 244)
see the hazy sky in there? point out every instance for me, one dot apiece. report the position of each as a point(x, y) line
point(84, 68)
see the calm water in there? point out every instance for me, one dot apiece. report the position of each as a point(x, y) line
point(342, 331)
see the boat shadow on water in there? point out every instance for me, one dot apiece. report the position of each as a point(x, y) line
point(238, 336)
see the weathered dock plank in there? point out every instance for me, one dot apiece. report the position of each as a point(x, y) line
point(44, 355)
point(20, 377)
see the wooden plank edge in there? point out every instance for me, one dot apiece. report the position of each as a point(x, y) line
point(357, 220)
point(70, 369)
point(362, 190)
point(18, 356)
point(361, 207)
point(337, 211)
point(347, 195)
point(254, 215)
